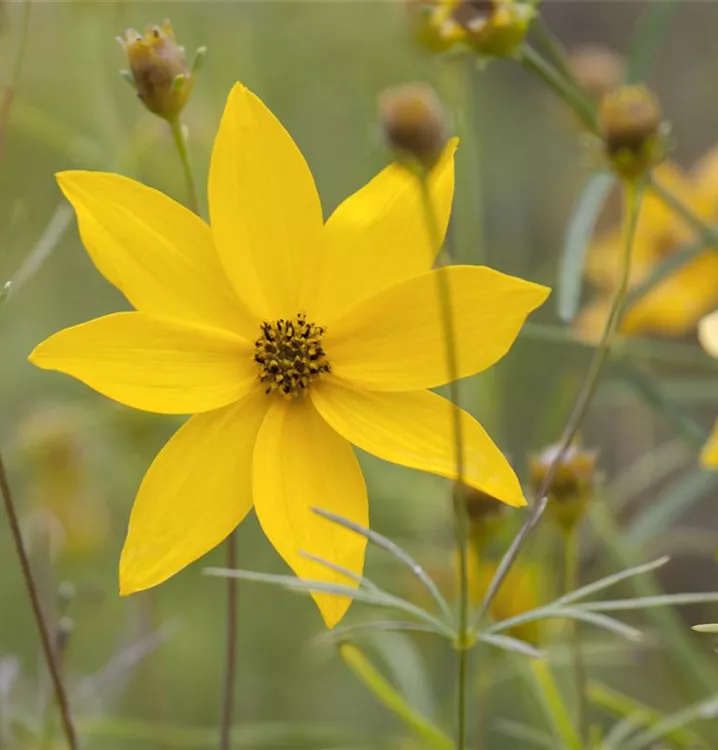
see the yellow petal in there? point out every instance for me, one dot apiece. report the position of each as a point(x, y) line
point(301, 463)
point(265, 210)
point(708, 333)
point(153, 363)
point(675, 305)
point(194, 495)
point(379, 236)
point(395, 340)
point(415, 430)
point(154, 250)
point(709, 454)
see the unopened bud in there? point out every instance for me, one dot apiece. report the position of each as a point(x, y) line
point(631, 123)
point(495, 28)
point(158, 70)
point(485, 514)
point(598, 70)
point(414, 122)
point(573, 484)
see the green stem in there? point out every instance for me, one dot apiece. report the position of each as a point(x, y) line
point(460, 521)
point(571, 583)
point(625, 347)
point(680, 645)
point(230, 666)
point(46, 639)
point(9, 93)
point(534, 63)
point(181, 143)
point(580, 409)
point(554, 49)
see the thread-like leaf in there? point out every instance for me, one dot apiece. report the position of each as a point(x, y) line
point(579, 231)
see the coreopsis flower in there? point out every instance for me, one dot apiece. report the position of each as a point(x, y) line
point(158, 69)
point(51, 443)
point(523, 590)
point(289, 339)
point(708, 337)
point(673, 307)
point(573, 484)
point(491, 28)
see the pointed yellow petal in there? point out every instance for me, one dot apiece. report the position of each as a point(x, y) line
point(415, 430)
point(395, 341)
point(675, 305)
point(709, 454)
point(266, 215)
point(154, 250)
point(153, 363)
point(301, 463)
point(194, 495)
point(379, 236)
point(708, 333)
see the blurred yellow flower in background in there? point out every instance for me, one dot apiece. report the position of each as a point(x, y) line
point(521, 592)
point(289, 340)
point(674, 306)
point(52, 446)
point(708, 337)
point(489, 27)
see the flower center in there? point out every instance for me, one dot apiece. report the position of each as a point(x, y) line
point(290, 356)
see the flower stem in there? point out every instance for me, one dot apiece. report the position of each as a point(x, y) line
point(632, 203)
point(571, 570)
point(42, 626)
point(9, 93)
point(181, 143)
point(573, 96)
point(460, 521)
point(230, 665)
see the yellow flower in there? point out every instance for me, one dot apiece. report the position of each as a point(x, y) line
point(708, 337)
point(521, 592)
point(673, 306)
point(289, 340)
point(495, 28)
point(60, 486)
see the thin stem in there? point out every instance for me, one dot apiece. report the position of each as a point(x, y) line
point(42, 626)
point(580, 409)
point(460, 521)
point(574, 97)
point(231, 648)
point(571, 583)
point(9, 93)
point(181, 143)
point(554, 49)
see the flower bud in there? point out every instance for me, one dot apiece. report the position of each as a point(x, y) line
point(598, 70)
point(414, 122)
point(572, 486)
point(495, 28)
point(431, 24)
point(158, 70)
point(485, 514)
point(631, 122)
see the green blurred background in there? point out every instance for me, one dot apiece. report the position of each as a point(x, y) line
point(157, 656)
